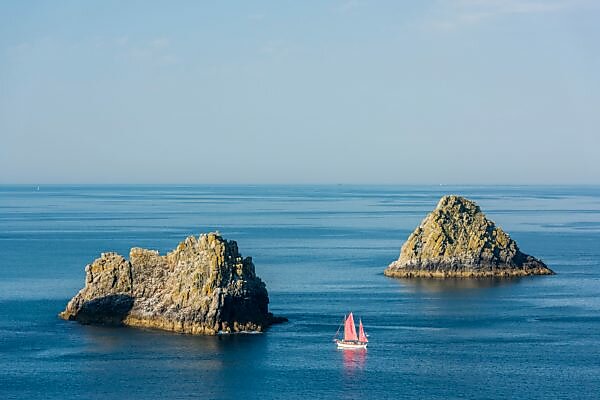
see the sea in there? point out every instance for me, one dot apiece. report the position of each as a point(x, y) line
point(321, 250)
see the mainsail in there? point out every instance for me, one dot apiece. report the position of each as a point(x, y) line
point(361, 333)
point(350, 329)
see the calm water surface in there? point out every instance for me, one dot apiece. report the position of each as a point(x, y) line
point(321, 250)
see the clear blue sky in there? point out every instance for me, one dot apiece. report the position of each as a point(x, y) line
point(358, 91)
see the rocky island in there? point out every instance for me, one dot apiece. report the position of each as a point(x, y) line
point(457, 240)
point(204, 286)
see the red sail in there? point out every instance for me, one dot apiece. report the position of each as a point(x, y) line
point(350, 329)
point(361, 333)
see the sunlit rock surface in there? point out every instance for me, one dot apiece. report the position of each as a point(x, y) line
point(457, 240)
point(204, 286)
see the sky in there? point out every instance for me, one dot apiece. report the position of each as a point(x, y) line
point(350, 91)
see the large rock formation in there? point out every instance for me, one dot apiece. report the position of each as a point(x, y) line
point(204, 286)
point(457, 240)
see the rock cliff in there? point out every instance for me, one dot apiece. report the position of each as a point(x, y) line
point(204, 286)
point(457, 240)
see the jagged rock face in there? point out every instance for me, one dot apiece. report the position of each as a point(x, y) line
point(202, 287)
point(457, 240)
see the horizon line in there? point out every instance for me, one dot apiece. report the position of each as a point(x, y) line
point(285, 184)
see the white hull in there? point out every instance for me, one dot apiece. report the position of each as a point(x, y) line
point(350, 345)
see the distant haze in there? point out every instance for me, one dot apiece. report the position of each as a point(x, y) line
point(446, 91)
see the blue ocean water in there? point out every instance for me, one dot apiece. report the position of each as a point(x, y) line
point(321, 251)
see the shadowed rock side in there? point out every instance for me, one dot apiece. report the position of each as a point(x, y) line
point(202, 287)
point(457, 240)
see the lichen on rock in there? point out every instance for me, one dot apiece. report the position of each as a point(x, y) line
point(457, 240)
point(204, 286)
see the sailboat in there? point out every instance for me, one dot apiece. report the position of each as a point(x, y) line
point(351, 340)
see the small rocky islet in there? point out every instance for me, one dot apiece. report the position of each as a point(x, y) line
point(204, 286)
point(456, 240)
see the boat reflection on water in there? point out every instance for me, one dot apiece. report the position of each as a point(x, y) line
point(354, 360)
point(436, 285)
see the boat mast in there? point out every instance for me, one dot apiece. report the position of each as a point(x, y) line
point(339, 327)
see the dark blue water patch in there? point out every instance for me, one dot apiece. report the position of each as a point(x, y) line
point(321, 251)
